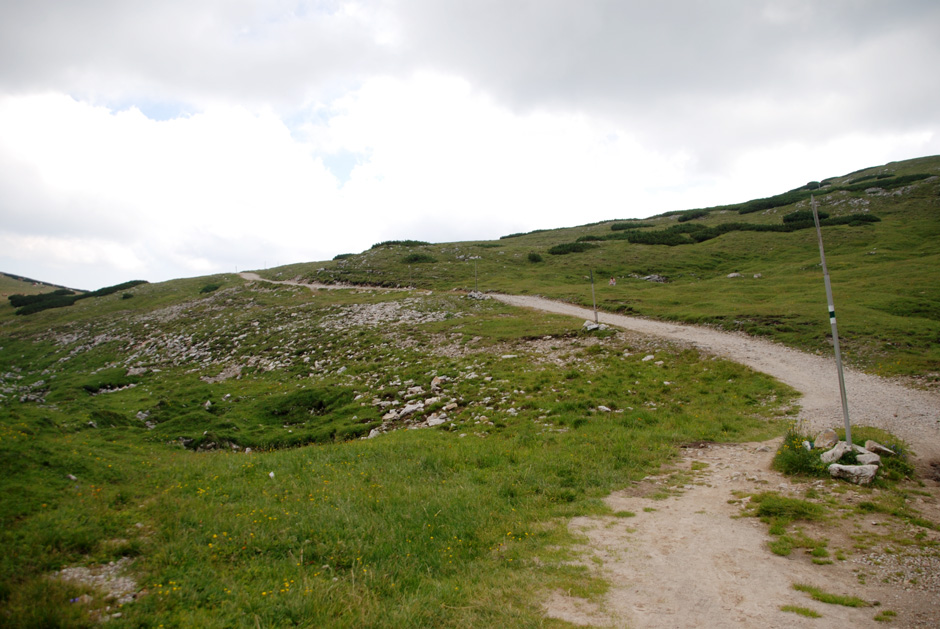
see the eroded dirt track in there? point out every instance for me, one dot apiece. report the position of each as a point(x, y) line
point(911, 414)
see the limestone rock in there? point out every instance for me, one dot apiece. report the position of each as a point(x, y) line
point(436, 420)
point(826, 439)
point(868, 458)
point(835, 453)
point(877, 448)
point(858, 474)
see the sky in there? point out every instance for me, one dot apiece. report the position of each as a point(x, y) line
point(181, 138)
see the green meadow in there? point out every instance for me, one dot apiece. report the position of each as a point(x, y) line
point(235, 440)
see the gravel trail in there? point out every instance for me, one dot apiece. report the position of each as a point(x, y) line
point(911, 414)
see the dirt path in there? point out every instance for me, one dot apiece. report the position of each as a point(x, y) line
point(911, 414)
point(685, 561)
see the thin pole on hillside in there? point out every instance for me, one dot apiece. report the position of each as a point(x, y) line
point(475, 289)
point(832, 322)
point(593, 298)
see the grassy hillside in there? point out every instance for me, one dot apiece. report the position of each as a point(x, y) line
point(125, 425)
point(17, 285)
point(209, 433)
point(884, 274)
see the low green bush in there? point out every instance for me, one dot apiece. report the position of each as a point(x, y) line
point(692, 215)
point(399, 243)
point(571, 247)
point(801, 216)
point(209, 288)
point(534, 257)
point(418, 258)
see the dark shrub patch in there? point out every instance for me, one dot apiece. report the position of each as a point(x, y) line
point(418, 258)
point(400, 243)
point(570, 247)
point(801, 216)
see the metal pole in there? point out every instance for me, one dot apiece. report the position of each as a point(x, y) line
point(475, 289)
point(835, 330)
point(593, 298)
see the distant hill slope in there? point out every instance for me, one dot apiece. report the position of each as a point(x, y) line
point(882, 243)
point(11, 284)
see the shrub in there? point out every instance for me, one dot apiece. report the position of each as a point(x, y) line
point(663, 237)
point(624, 226)
point(571, 247)
point(692, 215)
point(127, 296)
point(400, 243)
point(208, 288)
point(534, 257)
point(344, 256)
point(417, 258)
point(110, 290)
point(803, 215)
point(589, 238)
point(48, 301)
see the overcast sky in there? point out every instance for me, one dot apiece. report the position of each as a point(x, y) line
point(156, 140)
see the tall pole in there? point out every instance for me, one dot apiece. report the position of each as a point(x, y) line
point(832, 322)
point(593, 298)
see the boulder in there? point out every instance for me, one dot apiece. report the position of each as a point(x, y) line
point(590, 326)
point(877, 448)
point(410, 409)
point(868, 458)
point(858, 474)
point(734, 275)
point(833, 455)
point(826, 439)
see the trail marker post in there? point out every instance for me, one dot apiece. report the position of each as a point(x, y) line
point(832, 322)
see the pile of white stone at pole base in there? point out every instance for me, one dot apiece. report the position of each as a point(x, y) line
point(868, 458)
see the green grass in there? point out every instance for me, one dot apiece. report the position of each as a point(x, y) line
point(831, 599)
point(802, 611)
point(883, 274)
point(458, 525)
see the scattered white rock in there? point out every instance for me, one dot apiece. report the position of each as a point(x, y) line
point(826, 439)
point(858, 474)
point(835, 453)
point(877, 448)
